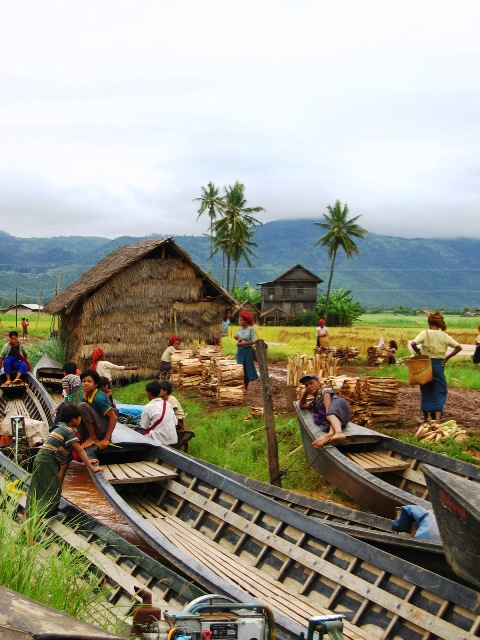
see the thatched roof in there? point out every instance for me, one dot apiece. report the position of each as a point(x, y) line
point(116, 262)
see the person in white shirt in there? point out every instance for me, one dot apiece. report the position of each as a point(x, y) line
point(158, 420)
point(104, 367)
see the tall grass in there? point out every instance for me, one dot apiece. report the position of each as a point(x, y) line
point(35, 564)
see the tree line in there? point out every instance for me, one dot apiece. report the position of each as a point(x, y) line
point(232, 229)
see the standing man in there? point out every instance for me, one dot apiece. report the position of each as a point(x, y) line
point(25, 324)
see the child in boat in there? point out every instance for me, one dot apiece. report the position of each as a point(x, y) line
point(14, 359)
point(330, 412)
point(54, 455)
point(158, 420)
point(105, 386)
point(98, 417)
point(71, 384)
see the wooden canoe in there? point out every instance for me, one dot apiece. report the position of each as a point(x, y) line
point(49, 372)
point(456, 503)
point(365, 526)
point(377, 471)
point(113, 560)
point(195, 517)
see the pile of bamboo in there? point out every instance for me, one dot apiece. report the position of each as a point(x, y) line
point(190, 373)
point(183, 354)
point(376, 356)
point(322, 365)
point(374, 401)
point(342, 354)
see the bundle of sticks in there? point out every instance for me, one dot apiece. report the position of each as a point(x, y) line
point(230, 395)
point(322, 365)
point(377, 355)
point(342, 354)
point(374, 401)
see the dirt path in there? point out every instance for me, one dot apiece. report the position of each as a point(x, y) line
point(463, 405)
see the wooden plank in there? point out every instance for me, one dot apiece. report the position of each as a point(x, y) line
point(378, 463)
point(136, 472)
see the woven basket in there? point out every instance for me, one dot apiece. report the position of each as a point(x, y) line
point(419, 369)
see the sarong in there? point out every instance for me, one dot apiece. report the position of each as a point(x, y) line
point(45, 487)
point(244, 356)
point(100, 422)
point(434, 393)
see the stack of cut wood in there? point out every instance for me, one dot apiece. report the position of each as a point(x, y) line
point(342, 354)
point(230, 383)
point(376, 356)
point(190, 373)
point(300, 364)
point(374, 401)
point(183, 354)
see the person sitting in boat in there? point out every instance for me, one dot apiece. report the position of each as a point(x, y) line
point(105, 385)
point(330, 412)
point(14, 359)
point(98, 417)
point(71, 384)
point(166, 360)
point(51, 463)
point(103, 367)
point(158, 420)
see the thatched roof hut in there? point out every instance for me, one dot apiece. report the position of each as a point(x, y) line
point(133, 300)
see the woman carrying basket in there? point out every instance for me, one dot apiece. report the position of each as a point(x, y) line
point(434, 342)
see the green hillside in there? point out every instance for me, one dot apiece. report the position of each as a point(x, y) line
point(387, 272)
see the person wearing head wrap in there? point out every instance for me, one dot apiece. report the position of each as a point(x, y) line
point(476, 355)
point(166, 360)
point(245, 338)
point(322, 334)
point(435, 342)
point(103, 367)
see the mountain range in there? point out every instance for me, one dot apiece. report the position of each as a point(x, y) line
point(387, 271)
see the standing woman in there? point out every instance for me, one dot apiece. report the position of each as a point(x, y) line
point(245, 338)
point(322, 334)
point(434, 343)
point(476, 355)
point(166, 361)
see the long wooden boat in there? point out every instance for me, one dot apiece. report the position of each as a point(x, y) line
point(365, 526)
point(197, 517)
point(456, 503)
point(378, 471)
point(49, 372)
point(25, 619)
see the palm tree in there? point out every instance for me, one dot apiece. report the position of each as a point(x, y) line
point(213, 204)
point(232, 234)
point(340, 232)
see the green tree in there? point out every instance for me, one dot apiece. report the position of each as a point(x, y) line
point(340, 232)
point(242, 294)
point(233, 233)
point(213, 204)
point(343, 309)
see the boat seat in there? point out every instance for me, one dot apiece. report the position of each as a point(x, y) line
point(142, 471)
point(375, 462)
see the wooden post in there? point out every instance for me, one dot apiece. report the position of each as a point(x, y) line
point(272, 447)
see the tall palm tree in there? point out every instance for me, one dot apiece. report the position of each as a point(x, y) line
point(340, 231)
point(232, 234)
point(242, 248)
point(213, 204)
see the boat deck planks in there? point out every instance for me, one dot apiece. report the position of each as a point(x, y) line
point(214, 523)
point(237, 570)
point(126, 473)
point(374, 462)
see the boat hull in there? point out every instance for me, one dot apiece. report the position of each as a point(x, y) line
point(456, 504)
point(207, 523)
point(377, 471)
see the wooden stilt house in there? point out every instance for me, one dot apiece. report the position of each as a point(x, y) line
point(133, 300)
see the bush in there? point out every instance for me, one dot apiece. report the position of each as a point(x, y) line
point(342, 309)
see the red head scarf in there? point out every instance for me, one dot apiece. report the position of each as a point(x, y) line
point(247, 317)
point(96, 356)
point(321, 322)
point(172, 340)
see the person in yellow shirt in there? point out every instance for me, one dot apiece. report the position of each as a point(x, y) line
point(434, 342)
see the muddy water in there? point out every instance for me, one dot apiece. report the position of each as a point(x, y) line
point(79, 488)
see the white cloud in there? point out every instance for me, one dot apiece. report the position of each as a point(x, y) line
point(113, 114)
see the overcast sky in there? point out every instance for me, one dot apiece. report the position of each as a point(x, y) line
point(113, 114)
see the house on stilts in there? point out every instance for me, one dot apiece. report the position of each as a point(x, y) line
point(133, 300)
